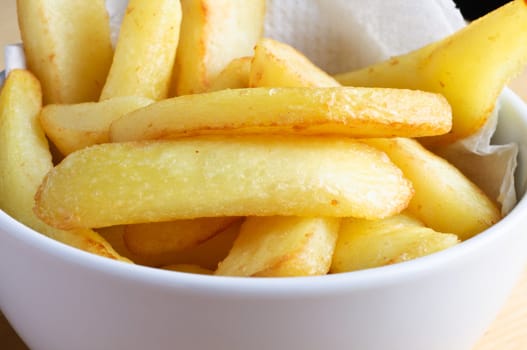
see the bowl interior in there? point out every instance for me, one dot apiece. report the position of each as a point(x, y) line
point(512, 127)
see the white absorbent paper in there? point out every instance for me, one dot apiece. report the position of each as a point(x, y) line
point(342, 35)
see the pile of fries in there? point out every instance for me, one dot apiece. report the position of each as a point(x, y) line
point(198, 145)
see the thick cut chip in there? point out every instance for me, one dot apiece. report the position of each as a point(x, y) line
point(173, 236)
point(234, 76)
point(137, 182)
point(445, 200)
point(73, 127)
point(470, 67)
point(214, 32)
point(278, 64)
point(25, 159)
point(67, 46)
point(146, 49)
point(206, 254)
point(358, 112)
point(365, 244)
point(282, 246)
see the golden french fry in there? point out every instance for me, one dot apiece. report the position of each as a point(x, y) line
point(282, 246)
point(136, 182)
point(73, 127)
point(445, 200)
point(146, 49)
point(114, 236)
point(358, 112)
point(207, 254)
point(25, 159)
point(213, 32)
point(234, 76)
point(278, 64)
point(67, 46)
point(365, 244)
point(470, 67)
point(173, 236)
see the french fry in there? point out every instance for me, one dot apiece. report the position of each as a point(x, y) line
point(209, 253)
point(445, 200)
point(146, 49)
point(114, 236)
point(234, 76)
point(25, 159)
point(137, 182)
point(206, 255)
point(358, 112)
point(213, 32)
point(170, 237)
point(364, 244)
point(185, 172)
point(470, 68)
point(67, 46)
point(278, 64)
point(282, 246)
point(73, 127)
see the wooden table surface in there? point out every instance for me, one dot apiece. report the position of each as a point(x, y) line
point(509, 330)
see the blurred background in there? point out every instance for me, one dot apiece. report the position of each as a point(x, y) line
point(8, 27)
point(472, 9)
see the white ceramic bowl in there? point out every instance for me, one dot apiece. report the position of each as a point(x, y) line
point(57, 297)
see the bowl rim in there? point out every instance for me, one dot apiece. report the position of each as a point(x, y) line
point(272, 286)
